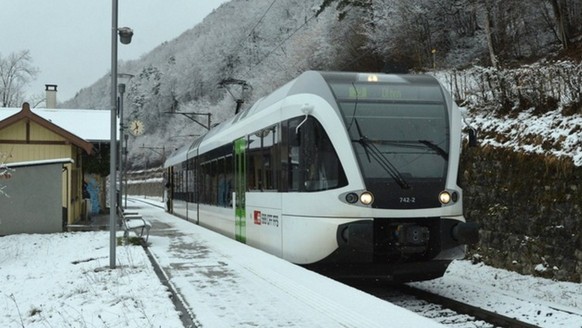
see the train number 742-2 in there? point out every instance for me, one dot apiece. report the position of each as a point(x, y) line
point(408, 200)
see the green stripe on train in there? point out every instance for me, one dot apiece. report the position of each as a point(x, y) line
point(240, 186)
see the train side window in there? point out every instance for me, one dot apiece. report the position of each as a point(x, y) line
point(312, 161)
point(190, 187)
point(225, 173)
point(263, 159)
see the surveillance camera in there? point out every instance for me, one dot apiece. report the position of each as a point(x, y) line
point(125, 34)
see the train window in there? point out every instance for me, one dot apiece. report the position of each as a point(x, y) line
point(313, 164)
point(263, 159)
point(177, 178)
point(190, 186)
point(215, 177)
point(224, 181)
point(413, 137)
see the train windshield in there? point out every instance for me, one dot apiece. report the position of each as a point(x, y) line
point(401, 137)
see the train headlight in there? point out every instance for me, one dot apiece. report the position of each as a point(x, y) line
point(352, 197)
point(366, 198)
point(446, 197)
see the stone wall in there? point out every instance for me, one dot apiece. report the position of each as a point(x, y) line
point(529, 210)
point(148, 183)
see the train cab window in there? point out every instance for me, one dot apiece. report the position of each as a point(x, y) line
point(313, 164)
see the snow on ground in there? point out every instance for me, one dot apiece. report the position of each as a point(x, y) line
point(557, 134)
point(63, 280)
point(550, 133)
point(538, 301)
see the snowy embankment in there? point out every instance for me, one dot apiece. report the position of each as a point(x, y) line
point(535, 108)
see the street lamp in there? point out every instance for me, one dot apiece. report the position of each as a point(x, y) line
point(123, 79)
point(125, 34)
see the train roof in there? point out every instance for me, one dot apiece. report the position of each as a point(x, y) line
point(309, 82)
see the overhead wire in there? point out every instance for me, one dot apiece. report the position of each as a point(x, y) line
point(282, 42)
point(256, 25)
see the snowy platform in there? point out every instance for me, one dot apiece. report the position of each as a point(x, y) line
point(227, 284)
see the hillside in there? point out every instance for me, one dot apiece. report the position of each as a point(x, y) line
point(513, 66)
point(478, 50)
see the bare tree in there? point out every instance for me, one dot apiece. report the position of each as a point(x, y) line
point(5, 172)
point(562, 21)
point(489, 33)
point(16, 71)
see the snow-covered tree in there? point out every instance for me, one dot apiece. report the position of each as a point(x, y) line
point(267, 43)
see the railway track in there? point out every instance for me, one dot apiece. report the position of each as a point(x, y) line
point(542, 311)
point(448, 312)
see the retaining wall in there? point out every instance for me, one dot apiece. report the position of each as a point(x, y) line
point(528, 207)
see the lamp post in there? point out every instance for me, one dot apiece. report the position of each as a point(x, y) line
point(123, 79)
point(125, 34)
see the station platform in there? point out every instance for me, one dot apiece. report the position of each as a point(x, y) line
point(219, 282)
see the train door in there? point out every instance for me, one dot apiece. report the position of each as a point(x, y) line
point(194, 190)
point(168, 189)
point(240, 187)
point(263, 196)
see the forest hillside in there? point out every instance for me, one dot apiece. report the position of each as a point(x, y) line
point(513, 65)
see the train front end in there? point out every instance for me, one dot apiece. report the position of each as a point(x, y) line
point(405, 134)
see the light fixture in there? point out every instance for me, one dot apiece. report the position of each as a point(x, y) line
point(352, 197)
point(446, 197)
point(366, 198)
point(125, 34)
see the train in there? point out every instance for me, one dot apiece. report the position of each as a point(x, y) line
point(353, 175)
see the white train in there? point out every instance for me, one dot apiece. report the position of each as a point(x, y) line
point(349, 174)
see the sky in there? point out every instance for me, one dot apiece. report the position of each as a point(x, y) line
point(70, 40)
point(64, 279)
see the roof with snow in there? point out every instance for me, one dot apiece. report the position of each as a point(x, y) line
point(92, 125)
point(26, 114)
point(42, 162)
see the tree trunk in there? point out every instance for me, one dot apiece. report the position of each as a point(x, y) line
point(562, 21)
point(489, 34)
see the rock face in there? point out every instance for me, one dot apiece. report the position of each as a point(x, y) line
point(529, 210)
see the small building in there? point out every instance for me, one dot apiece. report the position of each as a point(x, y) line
point(46, 149)
point(35, 201)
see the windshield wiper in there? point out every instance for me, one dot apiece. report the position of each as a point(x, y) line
point(436, 148)
point(373, 152)
point(414, 144)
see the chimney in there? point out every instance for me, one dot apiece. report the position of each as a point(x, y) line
point(51, 95)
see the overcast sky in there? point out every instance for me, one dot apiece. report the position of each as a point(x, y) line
point(70, 40)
